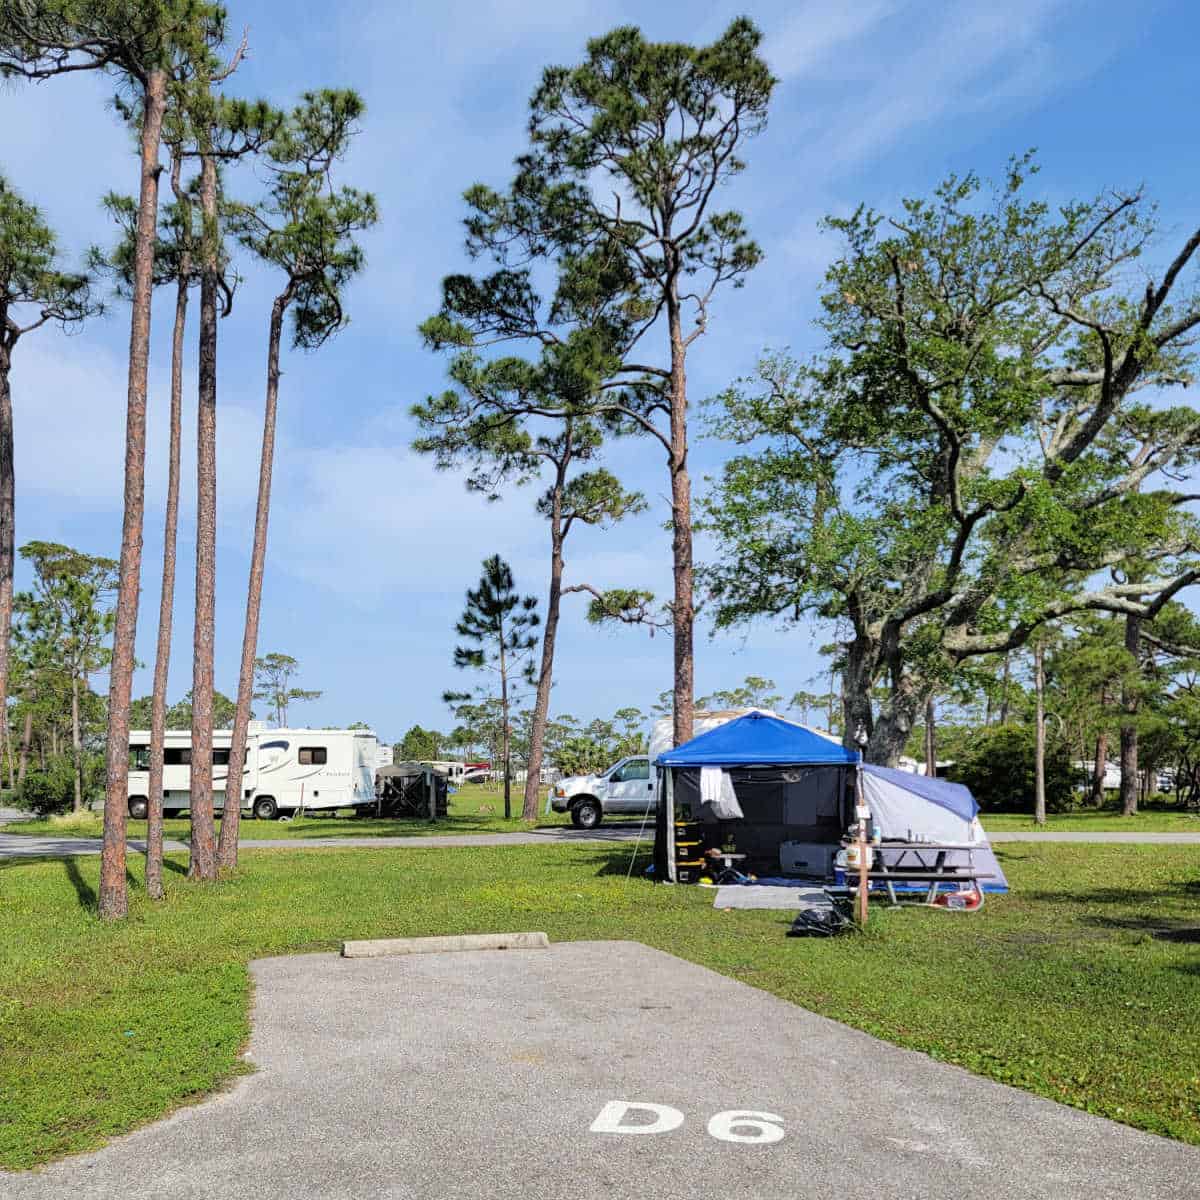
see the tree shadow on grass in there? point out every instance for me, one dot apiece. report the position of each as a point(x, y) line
point(1187, 889)
point(83, 889)
point(1162, 929)
point(615, 861)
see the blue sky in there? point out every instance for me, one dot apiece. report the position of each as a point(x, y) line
point(370, 549)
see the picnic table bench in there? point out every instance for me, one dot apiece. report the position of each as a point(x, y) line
point(939, 872)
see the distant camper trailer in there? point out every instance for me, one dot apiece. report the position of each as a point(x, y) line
point(286, 770)
point(453, 771)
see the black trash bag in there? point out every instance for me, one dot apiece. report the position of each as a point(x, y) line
point(821, 922)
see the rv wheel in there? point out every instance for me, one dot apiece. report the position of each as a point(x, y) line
point(265, 809)
point(138, 807)
point(586, 814)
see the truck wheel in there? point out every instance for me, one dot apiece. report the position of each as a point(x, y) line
point(265, 808)
point(139, 806)
point(587, 814)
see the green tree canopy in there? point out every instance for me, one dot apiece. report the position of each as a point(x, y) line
point(972, 454)
point(616, 195)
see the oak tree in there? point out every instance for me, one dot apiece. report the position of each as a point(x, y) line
point(970, 455)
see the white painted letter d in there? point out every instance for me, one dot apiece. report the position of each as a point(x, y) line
point(615, 1111)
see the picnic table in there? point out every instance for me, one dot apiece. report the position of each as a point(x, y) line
point(921, 870)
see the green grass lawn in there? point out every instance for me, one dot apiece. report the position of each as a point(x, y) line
point(1154, 821)
point(476, 808)
point(1080, 986)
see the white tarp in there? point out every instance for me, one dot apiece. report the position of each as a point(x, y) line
point(716, 790)
point(901, 814)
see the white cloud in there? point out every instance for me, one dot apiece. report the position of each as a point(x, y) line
point(816, 29)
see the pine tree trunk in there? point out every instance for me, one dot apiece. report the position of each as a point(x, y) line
point(203, 864)
point(541, 705)
point(682, 608)
point(1129, 733)
point(504, 733)
point(1099, 769)
point(1004, 693)
point(26, 743)
point(227, 852)
point(113, 901)
point(76, 749)
point(7, 513)
point(166, 603)
point(1039, 765)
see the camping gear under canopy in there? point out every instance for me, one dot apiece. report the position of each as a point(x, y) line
point(796, 791)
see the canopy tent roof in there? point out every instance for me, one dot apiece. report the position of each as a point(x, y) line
point(952, 796)
point(756, 739)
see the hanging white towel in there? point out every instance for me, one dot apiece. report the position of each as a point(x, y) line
point(716, 790)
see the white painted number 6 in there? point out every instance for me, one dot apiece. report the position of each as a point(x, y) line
point(760, 1127)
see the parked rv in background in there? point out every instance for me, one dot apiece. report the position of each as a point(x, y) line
point(286, 770)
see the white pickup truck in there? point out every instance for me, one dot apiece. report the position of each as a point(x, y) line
point(625, 789)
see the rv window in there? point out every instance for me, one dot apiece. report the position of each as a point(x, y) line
point(177, 756)
point(139, 758)
point(221, 758)
point(313, 756)
point(273, 746)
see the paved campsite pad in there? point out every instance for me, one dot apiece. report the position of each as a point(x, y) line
point(480, 1074)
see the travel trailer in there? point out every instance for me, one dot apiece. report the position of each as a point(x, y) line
point(286, 770)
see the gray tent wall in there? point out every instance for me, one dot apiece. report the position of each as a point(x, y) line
point(807, 803)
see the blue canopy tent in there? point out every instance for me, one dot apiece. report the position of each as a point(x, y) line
point(794, 793)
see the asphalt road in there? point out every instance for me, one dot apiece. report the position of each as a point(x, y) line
point(490, 1073)
point(13, 845)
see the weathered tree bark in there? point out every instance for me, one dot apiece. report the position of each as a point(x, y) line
point(26, 743)
point(113, 901)
point(7, 510)
point(541, 704)
point(76, 749)
point(166, 602)
point(1039, 764)
point(930, 739)
point(857, 679)
point(227, 851)
point(682, 607)
point(1129, 734)
point(1099, 769)
point(1004, 693)
point(203, 864)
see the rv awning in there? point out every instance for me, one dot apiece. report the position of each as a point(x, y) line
point(756, 739)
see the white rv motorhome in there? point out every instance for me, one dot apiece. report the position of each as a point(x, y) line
point(285, 770)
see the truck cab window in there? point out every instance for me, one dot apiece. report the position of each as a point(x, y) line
point(313, 756)
point(220, 758)
point(631, 771)
point(139, 758)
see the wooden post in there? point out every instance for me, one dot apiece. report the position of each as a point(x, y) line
point(863, 848)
